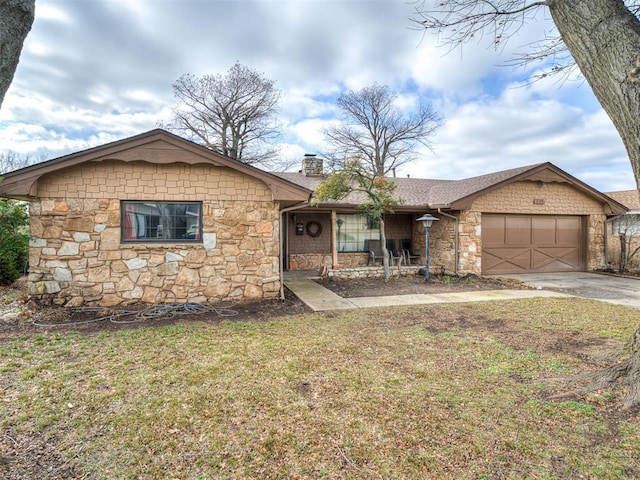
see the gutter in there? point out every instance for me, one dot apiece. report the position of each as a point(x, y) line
point(456, 237)
point(282, 234)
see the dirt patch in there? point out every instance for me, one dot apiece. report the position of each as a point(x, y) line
point(410, 285)
point(18, 315)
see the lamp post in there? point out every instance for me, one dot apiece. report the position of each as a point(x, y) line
point(427, 220)
point(339, 222)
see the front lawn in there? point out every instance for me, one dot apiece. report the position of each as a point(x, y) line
point(442, 391)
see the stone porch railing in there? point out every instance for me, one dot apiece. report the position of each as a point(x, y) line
point(371, 272)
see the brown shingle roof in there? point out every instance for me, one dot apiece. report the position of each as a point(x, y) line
point(420, 192)
point(448, 193)
point(414, 191)
point(629, 198)
point(423, 194)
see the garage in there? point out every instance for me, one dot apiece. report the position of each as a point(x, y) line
point(532, 243)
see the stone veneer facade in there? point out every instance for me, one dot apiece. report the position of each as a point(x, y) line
point(77, 258)
point(516, 198)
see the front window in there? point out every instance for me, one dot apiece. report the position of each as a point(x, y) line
point(161, 221)
point(355, 230)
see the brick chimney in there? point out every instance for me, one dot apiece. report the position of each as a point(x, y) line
point(312, 165)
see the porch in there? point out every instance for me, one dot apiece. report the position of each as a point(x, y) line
point(348, 244)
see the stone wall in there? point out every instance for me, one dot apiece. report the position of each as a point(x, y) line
point(536, 198)
point(313, 261)
point(374, 272)
point(77, 258)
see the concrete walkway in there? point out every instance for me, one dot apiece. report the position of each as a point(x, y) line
point(319, 299)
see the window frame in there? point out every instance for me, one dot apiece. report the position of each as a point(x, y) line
point(367, 229)
point(124, 225)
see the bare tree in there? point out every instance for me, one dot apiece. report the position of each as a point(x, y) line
point(233, 114)
point(603, 38)
point(16, 18)
point(10, 161)
point(627, 227)
point(377, 131)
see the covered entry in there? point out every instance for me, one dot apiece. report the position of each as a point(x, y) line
point(532, 243)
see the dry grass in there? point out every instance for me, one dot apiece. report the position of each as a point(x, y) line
point(447, 391)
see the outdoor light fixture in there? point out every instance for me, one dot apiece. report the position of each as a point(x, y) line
point(427, 220)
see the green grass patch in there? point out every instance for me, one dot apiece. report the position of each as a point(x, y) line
point(444, 391)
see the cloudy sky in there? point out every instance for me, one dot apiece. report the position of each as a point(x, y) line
point(94, 71)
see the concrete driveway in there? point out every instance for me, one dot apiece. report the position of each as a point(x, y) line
point(608, 288)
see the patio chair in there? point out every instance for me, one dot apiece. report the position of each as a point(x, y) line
point(407, 251)
point(374, 247)
point(395, 258)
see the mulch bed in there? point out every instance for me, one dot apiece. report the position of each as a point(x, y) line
point(414, 284)
point(21, 317)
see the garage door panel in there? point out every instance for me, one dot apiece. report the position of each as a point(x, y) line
point(518, 230)
point(531, 243)
point(563, 258)
point(493, 230)
point(555, 266)
point(544, 231)
point(569, 231)
point(512, 259)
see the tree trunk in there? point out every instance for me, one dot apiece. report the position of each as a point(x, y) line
point(16, 18)
point(623, 252)
point(603, 37)
point(385, 252)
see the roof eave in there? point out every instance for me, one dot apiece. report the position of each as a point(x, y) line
point(466, 202)
point(22, 183)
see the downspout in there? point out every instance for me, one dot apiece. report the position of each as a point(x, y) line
point(456, 237)
point(282, 234)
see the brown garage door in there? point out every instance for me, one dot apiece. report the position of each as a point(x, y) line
point(531, 243)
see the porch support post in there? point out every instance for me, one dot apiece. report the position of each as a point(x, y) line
point(334, 241)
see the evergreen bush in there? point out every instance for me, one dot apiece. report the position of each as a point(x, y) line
point(14, 239)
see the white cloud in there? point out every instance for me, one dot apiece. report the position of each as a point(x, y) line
point(96, 71)
point(519, 129)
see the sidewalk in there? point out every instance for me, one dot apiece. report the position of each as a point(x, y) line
point(319, 299)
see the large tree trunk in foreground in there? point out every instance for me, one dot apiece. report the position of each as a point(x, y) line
point(16, 18)
point(603, 36)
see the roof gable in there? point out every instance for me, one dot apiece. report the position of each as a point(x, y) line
point(460, 194)
point(156, 146)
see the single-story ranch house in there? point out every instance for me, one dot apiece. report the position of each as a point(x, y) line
point(157, 218)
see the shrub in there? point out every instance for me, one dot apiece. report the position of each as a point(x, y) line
point(14, 239)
